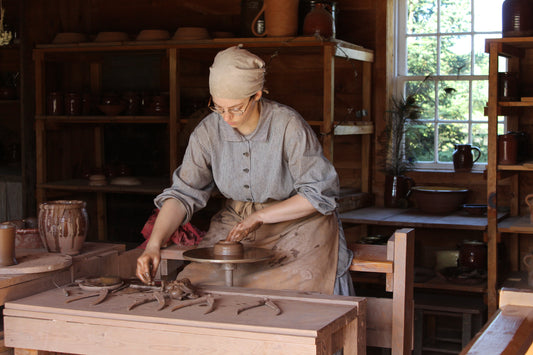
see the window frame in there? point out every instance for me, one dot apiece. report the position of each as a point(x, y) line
point(400, 77)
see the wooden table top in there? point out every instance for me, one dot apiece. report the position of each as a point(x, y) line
point(302, 313)
point(414, 218)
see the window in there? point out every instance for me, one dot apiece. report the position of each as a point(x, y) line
point(441, 57)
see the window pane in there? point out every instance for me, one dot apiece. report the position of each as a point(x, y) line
point(481, 59)
point(480, 140)
point(480, 93)
point(421, 55)
point(425, 96)
point(487, 15)
point(419, 141)
point(422, 16)
point(453, 100)
point(450, 135)
point(455, 16)
point(455, 55)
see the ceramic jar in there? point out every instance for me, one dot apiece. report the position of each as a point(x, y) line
point(318, 21)
point(133, 103)
point(397, 188)
point(517, 18)
point(508, 86)
point(473, 255)
point(55, 104)
point(7, 244)
point(249, 9)
point(63, 225)
point(463, 160)
point(72, 104)
point(281, 18)
point(507, 149)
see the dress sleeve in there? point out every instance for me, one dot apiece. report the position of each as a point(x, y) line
point(314, 176)
point(192, 181)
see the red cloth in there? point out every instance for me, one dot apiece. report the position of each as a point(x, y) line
point(185, 235)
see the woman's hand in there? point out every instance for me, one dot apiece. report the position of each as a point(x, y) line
point(147, 265)
point(241, 230)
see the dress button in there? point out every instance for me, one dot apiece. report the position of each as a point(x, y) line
point(246, 170)
point(246, 154)
point(246, 186)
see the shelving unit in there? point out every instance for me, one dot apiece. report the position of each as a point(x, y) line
point(413, 218)
point(179, 62)
point(518, 51)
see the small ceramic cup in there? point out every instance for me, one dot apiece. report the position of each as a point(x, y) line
point(8, 231)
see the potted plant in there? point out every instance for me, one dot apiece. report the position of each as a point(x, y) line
point(396, 160)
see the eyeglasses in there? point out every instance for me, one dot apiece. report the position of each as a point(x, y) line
point(231, 111)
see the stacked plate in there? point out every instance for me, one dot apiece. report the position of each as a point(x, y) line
point(191, 34)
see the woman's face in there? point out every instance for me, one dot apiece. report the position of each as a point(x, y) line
point(229, 110)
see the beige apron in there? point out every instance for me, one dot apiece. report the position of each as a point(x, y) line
point(306, 252)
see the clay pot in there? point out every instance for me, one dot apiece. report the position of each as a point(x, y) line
point(318, 22)
point(63, 225)
point(7, 244)
point(397, 188)
point(473, 255)
point(507, 149)
point(281, 18)
point(228, 248)
point(516, 18)
point(438, 199)
point(529, 202)
point(508, 86)
point(55, 104)
point(72, 104)
point(463, 159)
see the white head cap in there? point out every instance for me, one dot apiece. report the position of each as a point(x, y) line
point(236, 74)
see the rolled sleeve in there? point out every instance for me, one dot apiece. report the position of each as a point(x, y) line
point(192, 182)
point(314, 176)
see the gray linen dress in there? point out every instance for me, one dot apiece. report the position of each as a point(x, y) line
point(281, 158)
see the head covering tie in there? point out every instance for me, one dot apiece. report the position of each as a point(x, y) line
point(236, 74)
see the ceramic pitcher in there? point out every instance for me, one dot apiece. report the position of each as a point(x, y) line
point(463, 159)
point(528, 262)
point(281, 18)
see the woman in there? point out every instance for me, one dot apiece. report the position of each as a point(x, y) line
point(281, 190)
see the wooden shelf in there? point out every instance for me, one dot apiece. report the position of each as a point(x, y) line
point(148, 186)
point(415, 219)
point(526, 166)
point(104, 119)
point(438, 283)
point(521, 225)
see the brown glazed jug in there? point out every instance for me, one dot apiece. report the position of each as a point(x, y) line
point(397, 189)
point(318, 21)
point(281, 18)
point(517, 18)
point(63, 225)
point(463, 159)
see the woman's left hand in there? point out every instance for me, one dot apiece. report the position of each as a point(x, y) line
point(241, 230)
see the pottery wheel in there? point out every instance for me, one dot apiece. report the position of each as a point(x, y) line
point(34, 263)
point(207, 255)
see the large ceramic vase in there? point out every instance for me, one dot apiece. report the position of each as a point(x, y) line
point(281, 18)
point(63, 226)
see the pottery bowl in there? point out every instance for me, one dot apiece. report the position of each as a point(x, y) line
point(475, 209)
point(112, 109)
point(153, 35)
point(69, 37)
point(111, 37)
point(191, 33)
point(438, 199)
point(228, 248)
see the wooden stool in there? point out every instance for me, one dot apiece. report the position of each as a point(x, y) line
point(469, 309)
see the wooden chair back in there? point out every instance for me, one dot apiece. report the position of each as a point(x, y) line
point(390, 320)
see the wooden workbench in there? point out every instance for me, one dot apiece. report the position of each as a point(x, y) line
point(308, 324)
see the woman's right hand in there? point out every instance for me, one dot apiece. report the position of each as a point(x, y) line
point(147, 265)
